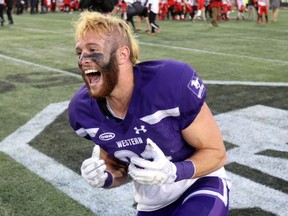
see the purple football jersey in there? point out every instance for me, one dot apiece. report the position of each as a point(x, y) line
point(167, 97)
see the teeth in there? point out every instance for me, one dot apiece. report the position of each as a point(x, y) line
point(90, 71)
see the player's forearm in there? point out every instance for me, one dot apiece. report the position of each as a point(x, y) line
point(207, 161)
point(205, 137)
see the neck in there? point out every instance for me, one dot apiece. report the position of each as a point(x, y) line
point(118, 102)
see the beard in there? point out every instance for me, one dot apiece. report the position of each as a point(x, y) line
point(110, 74)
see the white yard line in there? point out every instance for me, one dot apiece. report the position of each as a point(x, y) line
point(240, 36)
point(45, 31)
point(212, 82)
point(215, 53)
point(220, 82)
point(241, 28)
point(45, 18)
point(256, 29)
point(185, 48)
point(39, 66)
point(101, 201)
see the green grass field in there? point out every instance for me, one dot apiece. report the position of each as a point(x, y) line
point(244, 65)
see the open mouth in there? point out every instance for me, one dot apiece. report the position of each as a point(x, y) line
point(93, 75)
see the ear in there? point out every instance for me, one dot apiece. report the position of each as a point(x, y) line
point(123, 55)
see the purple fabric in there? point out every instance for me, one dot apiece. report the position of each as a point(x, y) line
point(198, 205)
point(108, 181)
point(170, 87)
point(185, 170)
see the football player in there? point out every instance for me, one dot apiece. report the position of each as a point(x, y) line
point(241, 6)
point(149, 122)
point(263, 8)
point(153, 9)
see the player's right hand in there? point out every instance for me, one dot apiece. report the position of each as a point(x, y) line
point(93, 169)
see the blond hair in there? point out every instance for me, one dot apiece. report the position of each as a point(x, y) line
point(107, 24)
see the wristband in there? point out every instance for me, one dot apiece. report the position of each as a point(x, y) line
point(108, 181)
point(185, 170)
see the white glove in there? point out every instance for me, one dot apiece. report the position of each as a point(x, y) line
point(154, 168)
point(93, 169)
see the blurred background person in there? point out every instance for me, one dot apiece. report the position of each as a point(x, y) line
point(215, 8)
point(241, 6)
point(1, 12)
point(20, 6)
point(9, 7)
point(53, 6)
point(263, 8)
point(171, 9)
point(275, 6)
point(143, 16)
point(201, 9)
point(153, 8)
point(251, 9)
point(225, 9)
point(66, 7)
point(34, 6)
point(44, 7)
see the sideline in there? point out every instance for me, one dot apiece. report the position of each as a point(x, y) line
point(212, 82)
point(237, 28)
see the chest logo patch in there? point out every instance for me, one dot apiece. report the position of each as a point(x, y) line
point(107, 136)
point(196, 86)
point(142, 128)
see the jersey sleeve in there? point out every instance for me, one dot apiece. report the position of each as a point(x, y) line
point(77, 113)
point(192, 94)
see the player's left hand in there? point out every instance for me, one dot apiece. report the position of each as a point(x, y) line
point(154, 168)
point(93, 169)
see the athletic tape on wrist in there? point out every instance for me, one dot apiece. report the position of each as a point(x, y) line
point(109, 180)
point(185, 170)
